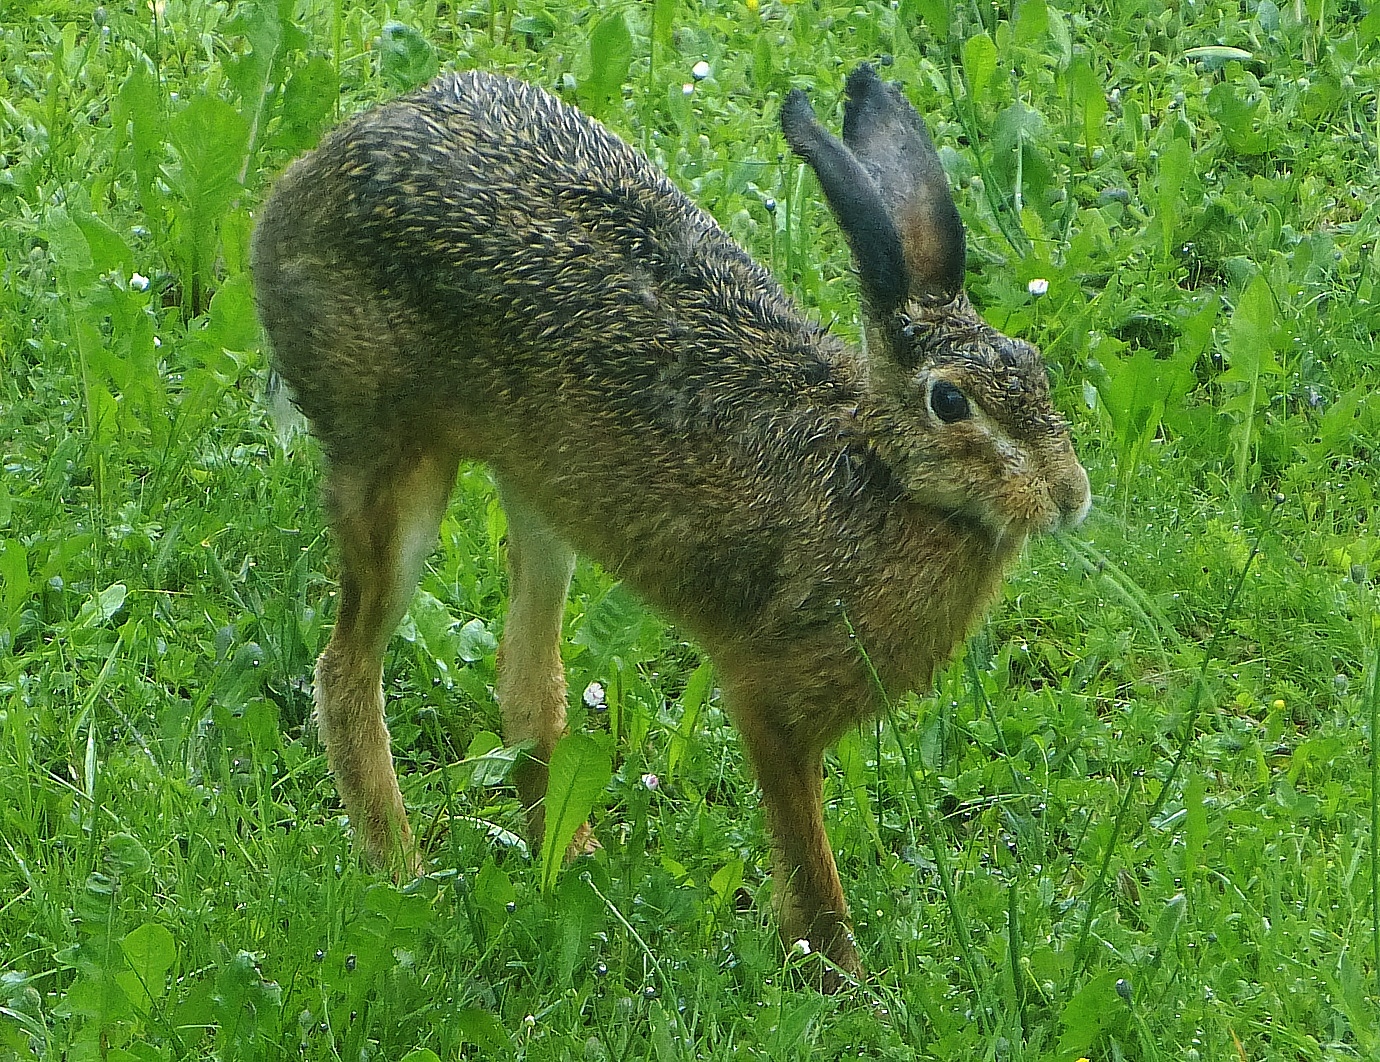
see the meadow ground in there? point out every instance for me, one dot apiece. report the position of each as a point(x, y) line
point(1135, 820)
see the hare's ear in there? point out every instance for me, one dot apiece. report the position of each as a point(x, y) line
point(857, 205)
point(888, 138)
point(888, 191)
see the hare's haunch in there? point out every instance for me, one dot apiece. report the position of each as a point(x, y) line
point(479, 271)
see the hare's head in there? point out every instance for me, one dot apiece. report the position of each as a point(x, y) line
point(966, 418)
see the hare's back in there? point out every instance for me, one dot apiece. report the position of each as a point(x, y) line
point(477, 180)
point(488, 226)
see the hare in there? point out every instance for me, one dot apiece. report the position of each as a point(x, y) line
point(478, 271)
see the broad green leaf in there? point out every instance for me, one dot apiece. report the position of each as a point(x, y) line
point(139, 109)
point(1216, 56)
point(580, 768)
point(97, 994)
point(979, 66)
point(1296, 803)
point(1092, 1009)
point(727, 880)
point(1238, 119)
point(1031, 21)
point(1171, 918)
point(474, 641)
point(406, 58)
point(667, 1036)
point(1195, 826)
point(1018, 136)
point(109, 251)
point(309, 100)
point(579, 914)
point(1175, 161)
point(151, 951)
point(610, 56)
point(493, 892)
point(852, 762)
point(933, 13)
point(231, 323)
point(1252, 344)
point(240, 990)
point(663, 19)
point(1348, 420)
point(263, 24)
point(697, 690)
point(401, 910)
point(435, 628)
point(210, 139)
point(1253, 335)
point(99, 608)
point(1369, 30)
point(1086, 89)
point(69, 247)
point(794, 1023)
point(1138, 390)
point(539, 24)
point(485, 1031)
point(489, 762)
point(763, 65)
point(14, 576)
point(126, 857)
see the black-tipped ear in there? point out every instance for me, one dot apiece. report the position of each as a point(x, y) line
point(888, 139)
point(856, 202)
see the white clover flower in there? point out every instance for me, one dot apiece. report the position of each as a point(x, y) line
point(700, 70)
point(687, 89)
point(157, 342)
point(593, 696)
point(138, 282)
point(1038, 286)
point(651, 781)
point(803, 946)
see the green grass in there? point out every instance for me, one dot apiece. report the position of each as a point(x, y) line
point(1136, 818)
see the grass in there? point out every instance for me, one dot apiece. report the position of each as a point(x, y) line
point(1135, 819)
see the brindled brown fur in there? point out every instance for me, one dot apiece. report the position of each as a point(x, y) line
point(479, 271)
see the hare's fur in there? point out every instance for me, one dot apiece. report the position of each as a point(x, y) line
point(478, 271)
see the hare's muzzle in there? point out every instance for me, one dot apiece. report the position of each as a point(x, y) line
point(1072, 493)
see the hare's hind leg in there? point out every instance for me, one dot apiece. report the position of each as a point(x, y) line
point(385, 515)
point(531, 679)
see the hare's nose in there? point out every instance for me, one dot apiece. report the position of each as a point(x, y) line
point(1073, 494)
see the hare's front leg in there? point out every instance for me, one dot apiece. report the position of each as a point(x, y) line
point(807, 893)
point(385, 514)
point(531, 678)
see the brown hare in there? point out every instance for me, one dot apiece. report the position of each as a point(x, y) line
point(478, 271)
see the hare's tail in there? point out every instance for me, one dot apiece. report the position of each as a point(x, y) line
point(281, 405)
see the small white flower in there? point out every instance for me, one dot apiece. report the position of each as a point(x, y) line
point(139, 282)
point(157, 342)
point(530, 1021)
point(1038, 286)
point(687, 89)
point(700, 70)
point(803, 946)
point(593, 696)
point(651, 781)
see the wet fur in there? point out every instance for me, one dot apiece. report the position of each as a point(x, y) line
point(477, 271)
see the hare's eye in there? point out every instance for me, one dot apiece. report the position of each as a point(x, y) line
point(948, 403)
